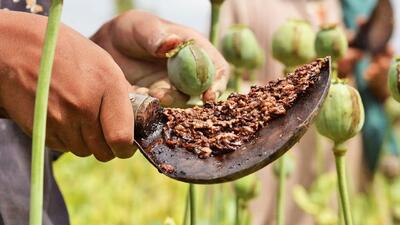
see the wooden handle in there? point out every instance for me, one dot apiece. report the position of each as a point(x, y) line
point(147, 111)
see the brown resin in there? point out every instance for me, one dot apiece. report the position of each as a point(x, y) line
point(219, 128)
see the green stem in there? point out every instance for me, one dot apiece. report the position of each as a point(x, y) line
point(334, 71)
point(320, 156)
point(252, 77)
point(186, 213)
point(246, 219)
point(192, 197)
point(124, 5)
point(237, 79)
point(237, 210)
point(280, 215)
point(219, 200)
point(214, 27)
point(40, 113)
point(340, 151)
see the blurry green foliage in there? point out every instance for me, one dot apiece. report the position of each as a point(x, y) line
point(118, 192)
point(132, 192)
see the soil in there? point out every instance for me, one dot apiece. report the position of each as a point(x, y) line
point(222, 127)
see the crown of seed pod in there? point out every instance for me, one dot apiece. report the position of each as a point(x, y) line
point(342, 114)
point(331, 41)
point(247, 187)
point(293, 43)
point(394, 79)
point(240, 47)
point(190, 69)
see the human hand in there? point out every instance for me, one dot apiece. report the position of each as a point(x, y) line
point(89, 111)
point(347, 63)
point(376, 74)
point(138, 42)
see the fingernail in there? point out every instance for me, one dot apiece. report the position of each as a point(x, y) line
point(167, 44)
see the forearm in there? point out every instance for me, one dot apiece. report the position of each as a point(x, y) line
point(20, 40)
point(20, 45)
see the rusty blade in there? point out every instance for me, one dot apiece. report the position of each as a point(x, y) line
point(271, 142)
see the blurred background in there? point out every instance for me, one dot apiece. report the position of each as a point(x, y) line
point(132, 192)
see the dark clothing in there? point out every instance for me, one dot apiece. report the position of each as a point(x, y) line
point(20, 5)
point(15, 162)
point(15, 171)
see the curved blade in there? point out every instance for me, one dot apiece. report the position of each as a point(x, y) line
point(271, 142)
point(374, 35)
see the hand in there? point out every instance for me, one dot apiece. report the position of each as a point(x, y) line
point(376, 74)
point(89, 111)
point(347, 63)
point(138, 42)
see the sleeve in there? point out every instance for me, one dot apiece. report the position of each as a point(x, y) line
point(32, 6)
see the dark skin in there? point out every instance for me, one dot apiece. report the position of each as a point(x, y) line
point(375, 74)
point(89, 109)
point(143, 49)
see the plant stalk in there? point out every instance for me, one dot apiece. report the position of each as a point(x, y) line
point(186, 212)
point(237, 79)
point(124, 5)
point(192, 199)
point(320, 156)
point(252, 77)
point(280, 215)
point(214, 27)
point(340, 151)
point(40, 113)
point(237, 210)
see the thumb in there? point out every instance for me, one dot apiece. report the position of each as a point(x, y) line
point(142, 35)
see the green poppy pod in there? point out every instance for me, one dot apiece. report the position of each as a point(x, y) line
point(394, 79)
point(293, 43)
point(190, 69)
point(331, 41)
point(342, 114)
point(240, 47)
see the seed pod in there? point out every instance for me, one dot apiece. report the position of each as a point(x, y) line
point(190, 69)
point(392, 109)
point(342, 114)
point(394, 79)
point(331, 41)
point(247, 187)
point(293, 43)
point(240, 47)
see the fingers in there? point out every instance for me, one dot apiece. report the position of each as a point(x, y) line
point(94, 139)
point(142, 35)
point(73, 137)
point(116, 119)
point(210, 95)
point(347, 63)
point(169, 97)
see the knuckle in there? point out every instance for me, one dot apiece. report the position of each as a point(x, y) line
point(81, 152)
point(126, 154)
point(104, 157)
point(119, 139)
